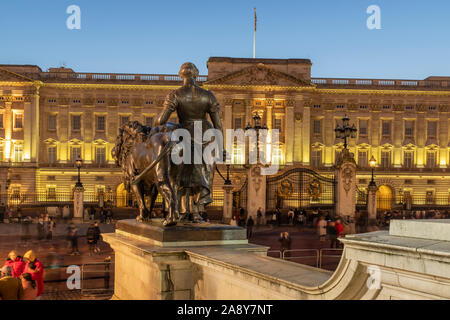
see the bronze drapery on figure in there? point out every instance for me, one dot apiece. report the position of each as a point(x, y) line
point(144, 153)
point(193, 103)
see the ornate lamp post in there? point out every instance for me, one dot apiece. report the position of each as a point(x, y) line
point(257, 127)
point(372, 163)
point(346, 131)
point(79, 163)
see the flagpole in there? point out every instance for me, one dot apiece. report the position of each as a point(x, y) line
point(254, 37)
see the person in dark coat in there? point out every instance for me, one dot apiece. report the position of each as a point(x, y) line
point(332, 234)
point(72, 237)
point(250, 224)
point(92, 236)
point(2, 212)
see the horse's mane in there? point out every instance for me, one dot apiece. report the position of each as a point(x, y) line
point(129, 134)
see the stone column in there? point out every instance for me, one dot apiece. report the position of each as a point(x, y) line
point(306, 135)
point(227, 203)
point(346, 186)
point(269, 117)
point(227, 122)
point(289, 134)
point(256, 192)
point(372, 202)
point(7, 124)
point(78, 195)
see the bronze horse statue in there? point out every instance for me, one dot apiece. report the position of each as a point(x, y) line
point(143, 153)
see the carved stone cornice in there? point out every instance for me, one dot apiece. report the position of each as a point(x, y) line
point(398, 107)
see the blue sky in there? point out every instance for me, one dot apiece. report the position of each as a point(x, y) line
point(157, 36)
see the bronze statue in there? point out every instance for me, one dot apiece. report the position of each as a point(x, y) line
point(144, 153)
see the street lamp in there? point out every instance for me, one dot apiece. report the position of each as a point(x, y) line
point(257, 127)
point(346, 131)
point(79, 163)
point(372, 163)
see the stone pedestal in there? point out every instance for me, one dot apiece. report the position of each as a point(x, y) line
point(151, 261)
point(372, 202)
point(410, 261)
point(227, 203)
point(346, 186)
point(256, 192)
point(78, 198)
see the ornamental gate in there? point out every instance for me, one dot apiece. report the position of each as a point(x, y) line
point(240, 197)
point(300, 188)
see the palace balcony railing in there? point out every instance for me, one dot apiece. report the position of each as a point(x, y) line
point(382, 83)
point(112, 77)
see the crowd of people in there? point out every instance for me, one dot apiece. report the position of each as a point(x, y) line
point(21, 278)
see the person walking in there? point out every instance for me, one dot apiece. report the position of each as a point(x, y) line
point(40, 228)
point(92, 236)
point(278, 214)
point(92, 212)
point(259, 217)
point(16, 264)
point(51, 227)
point(10, 287)
point(2, 212)
point(30, 290)
point(66, 212)
point(332, 234)
point(250, 224)
point(285, 240)
point(291, 216)
point(72, 237)
point(36, 269)
point(339, 230)
point(322, 228)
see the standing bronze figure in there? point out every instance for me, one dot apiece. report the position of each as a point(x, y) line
point(144, 153)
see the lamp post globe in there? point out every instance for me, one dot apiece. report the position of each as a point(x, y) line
point(79, 163)
point(372, 163)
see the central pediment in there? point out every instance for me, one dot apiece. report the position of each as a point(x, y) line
point(259, 75)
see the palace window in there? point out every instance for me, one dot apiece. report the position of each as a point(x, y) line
point(363, 127)
point(237, 123)
point(18, 121)
point(362, 158)
point(317, 127)
point(385, 159)
point(51, 193)
point(76, 123)
point(277, 125)
point(1, 120)
point(51, 154)
point(124, 120)
point(100, 123)
point(100, 155)
point(149, 121)
point(386, 128)
point(238, 154)
point(432, 129)
point(409, 129)
point(18, 153)
point(316, 158)
point(431, 159)
point(51, 122)
point(408, 159)
point(75, 153)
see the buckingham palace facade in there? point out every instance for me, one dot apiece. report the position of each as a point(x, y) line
point(49, 118)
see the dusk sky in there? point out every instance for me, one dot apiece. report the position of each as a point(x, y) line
point(158, 36)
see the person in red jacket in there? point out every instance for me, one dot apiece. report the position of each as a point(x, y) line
point(36, 269)
point(339, 229)
point(16, 263)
